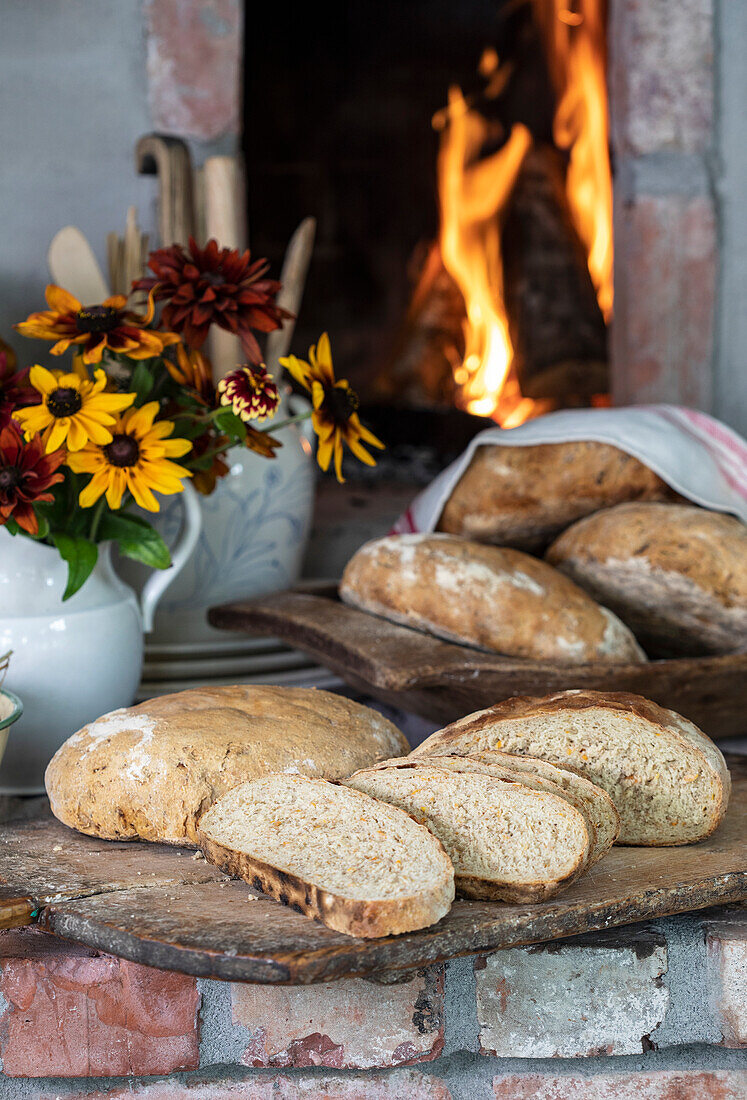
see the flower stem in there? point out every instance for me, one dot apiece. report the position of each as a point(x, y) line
point(98, 511)
point(284, 423)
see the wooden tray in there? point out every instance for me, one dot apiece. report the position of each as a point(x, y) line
point(443, 681)
point(162, 907)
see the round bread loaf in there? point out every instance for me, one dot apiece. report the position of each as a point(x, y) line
point(524, 496)
point(151, 771)
point(499, 600)
point(668, 781)
point(676, 574)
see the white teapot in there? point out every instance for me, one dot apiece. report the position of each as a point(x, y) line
point(76, 660)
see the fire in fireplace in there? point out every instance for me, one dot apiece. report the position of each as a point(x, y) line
point(477, 182)
point(501, 219)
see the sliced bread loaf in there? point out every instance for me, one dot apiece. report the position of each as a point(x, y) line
point(594, 803)
point(507, 842)
point(524, 496)
point(668, 781)
point(150, 771)
point(676, 574)
point(500, 600)
point(361, 866)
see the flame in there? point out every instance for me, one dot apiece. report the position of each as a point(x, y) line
point(474, 192)
point(575, 43)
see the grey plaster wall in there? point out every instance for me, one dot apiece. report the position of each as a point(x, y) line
point(73, 101)
point(730, 383)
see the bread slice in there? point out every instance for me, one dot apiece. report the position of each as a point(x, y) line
point(595, 804)
point(360, 866)
point(499, 600)
point(668, 781)
point(507, 842)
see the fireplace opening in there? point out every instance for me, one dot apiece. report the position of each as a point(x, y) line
point(457, 159)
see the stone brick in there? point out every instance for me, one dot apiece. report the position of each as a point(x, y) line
point(665, 288)
point(661, 1085)
point(726, 945)
point(661, 75)
point(67, 1011)
point(194, 53)
point(598, 994)
point(398, 1085)
point(347, 1024)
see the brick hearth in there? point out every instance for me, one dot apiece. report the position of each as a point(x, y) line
point(656, 1011)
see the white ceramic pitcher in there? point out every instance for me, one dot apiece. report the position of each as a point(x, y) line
point(76, 660)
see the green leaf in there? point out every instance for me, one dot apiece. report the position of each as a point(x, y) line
point(11, 526)
point(81, 556)
point(43, 526)
point(230, 424)
point(135, 539)
point(142, 382)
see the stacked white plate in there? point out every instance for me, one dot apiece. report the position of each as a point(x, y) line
point(240, 660)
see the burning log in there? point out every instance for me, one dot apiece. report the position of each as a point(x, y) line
point(555, 321)
point(430, 344)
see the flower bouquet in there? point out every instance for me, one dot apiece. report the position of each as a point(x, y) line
point(137, 411)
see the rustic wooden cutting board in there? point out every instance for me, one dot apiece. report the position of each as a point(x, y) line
point(161, 907)
point(443, 681)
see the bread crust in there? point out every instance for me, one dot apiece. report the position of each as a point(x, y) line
point(472, 733)
point(524, 496)
point(149, 772)
point(363, 919)
point(676, 574)
point(495, 599)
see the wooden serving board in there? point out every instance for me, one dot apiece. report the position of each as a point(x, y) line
point(161, 907)
point(443, 681)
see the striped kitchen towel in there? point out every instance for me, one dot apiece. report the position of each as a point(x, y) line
point(697, 456)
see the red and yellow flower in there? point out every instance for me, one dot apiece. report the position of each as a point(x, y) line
point(250, 392)
point(26, 476)
point(335, 416)
point(136, 460)
point(15, 391)
point(96, 329)
point(73, 411)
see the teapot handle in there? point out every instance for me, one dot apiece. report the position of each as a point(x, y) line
point(160, 580)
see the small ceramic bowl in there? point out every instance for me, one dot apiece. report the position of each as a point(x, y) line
point(11, 709)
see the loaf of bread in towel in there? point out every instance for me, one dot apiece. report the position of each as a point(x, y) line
point(676, 574)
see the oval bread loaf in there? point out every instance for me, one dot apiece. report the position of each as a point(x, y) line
point(507, 842)
point(361, 866)
point(524, 496)
point(485, 596)
point(586, 796)
point(151, 771)
point(676, 574)
point(668, 781)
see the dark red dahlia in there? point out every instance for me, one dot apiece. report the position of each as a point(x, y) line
point(26, 476)
point(214, 286)
point(14, 392)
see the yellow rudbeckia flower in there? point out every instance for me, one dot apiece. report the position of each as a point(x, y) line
point(73, 410)
point(335, 417)
point(137, 460)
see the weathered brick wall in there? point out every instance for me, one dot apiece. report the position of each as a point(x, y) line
point(663, 125)
point(643, 1013)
